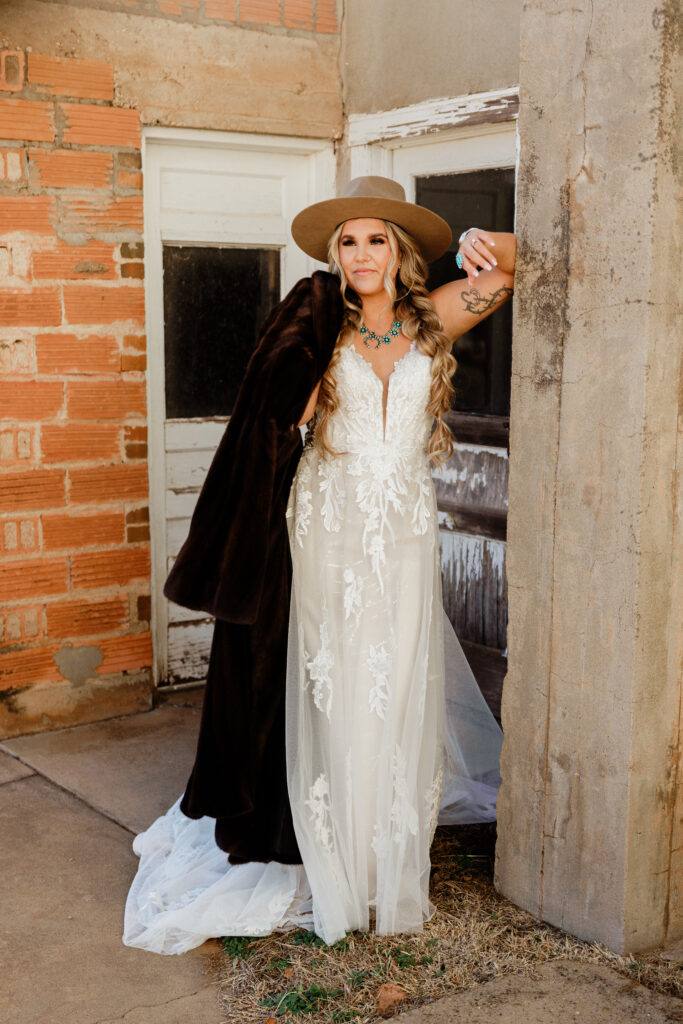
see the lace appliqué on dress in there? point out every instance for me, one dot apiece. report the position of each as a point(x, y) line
point(303, 508)
point(330, 475)
point(432, 801)
point(379, 663)
point(319, 667)
point(353, 596)
point(319, 803)
point(403, 814)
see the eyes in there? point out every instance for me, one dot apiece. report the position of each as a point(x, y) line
point(377, 240)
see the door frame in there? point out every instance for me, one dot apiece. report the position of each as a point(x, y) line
point(441, 136)
point(463, 133)
point(155, 139)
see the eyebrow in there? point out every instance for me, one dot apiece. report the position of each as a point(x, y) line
point(374, 234)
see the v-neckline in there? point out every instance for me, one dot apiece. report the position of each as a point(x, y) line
point(383, 382)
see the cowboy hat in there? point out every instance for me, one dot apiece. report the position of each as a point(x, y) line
point(370, 196)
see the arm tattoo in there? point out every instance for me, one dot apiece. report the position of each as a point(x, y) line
point(476, 303)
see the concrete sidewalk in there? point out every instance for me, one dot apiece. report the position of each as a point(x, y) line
point(71, 802)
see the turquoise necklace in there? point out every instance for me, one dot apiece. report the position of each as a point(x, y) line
point(393, 332)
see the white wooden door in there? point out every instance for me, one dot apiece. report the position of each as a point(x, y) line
point(472, 486)
point(207, 190)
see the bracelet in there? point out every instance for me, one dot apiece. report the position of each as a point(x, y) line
point(462, 237)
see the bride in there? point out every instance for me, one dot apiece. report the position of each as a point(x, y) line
point(386, 731)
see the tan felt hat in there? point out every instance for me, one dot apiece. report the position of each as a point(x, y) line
point(370, 196)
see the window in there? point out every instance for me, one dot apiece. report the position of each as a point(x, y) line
point(215, 301)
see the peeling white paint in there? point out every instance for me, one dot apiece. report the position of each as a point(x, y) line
point(444, 112)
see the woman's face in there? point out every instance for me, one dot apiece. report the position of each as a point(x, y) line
point(364, 254)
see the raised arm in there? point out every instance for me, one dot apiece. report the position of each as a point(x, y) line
point(462, 304)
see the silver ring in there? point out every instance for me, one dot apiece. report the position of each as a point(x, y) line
point(473, 240)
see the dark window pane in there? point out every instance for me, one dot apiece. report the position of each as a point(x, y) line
point(215, 301)
point(484, 199)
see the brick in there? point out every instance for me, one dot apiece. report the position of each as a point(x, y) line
point(299, 14)
point(7, 446)
point(82, 531)
point(136, 451)
point(135, 270)
point(40, 307)
point(12, 166)
point(90, 216)
point(138, 515)
point(68, 168)
point(66, 353)
point(261, 12)
point(131, 161)
point(326, 16)
point(125, 653)
point(27, 120)
point(15, 263)
point(24, 444)
point(31, 399)
point(21, 624)
point(132, 250)
point(86, 618)
point(134, 433)
point(129, 179)
point(178, 7)
point(33, 489)
point(133, 363)
point(34, 577)
point(136, 534)
point(105, 400)
point(28, 535)
point(19, 536)
point(90, 304)
point(75, 262)
point(33, 214)
point(68, 76)
point(10, 536)
point(91, 125)
point(122, 482)
point(221, 10)
point(16, 445)
point(12, 68)
point(143, 608)
point(110, 568)
point(16, 356)
point(79, 442)
point(29, 667)
point(138, 342)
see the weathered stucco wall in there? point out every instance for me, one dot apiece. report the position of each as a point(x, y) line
point(276, 71)
point(397, 53)
point(589, 834)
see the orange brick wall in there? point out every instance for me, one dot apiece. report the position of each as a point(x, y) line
point(298, 15)
point(75, 642)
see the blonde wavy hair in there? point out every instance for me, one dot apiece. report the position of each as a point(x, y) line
point(420, 320)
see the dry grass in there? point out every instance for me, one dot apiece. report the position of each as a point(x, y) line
point(474, 936)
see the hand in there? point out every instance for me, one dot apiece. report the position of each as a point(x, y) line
point(476, 252)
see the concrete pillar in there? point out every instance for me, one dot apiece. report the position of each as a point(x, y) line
point(590, 834)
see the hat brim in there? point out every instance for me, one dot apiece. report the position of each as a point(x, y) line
point(313, 227)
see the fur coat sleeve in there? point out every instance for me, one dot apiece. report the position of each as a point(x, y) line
point(221, 567)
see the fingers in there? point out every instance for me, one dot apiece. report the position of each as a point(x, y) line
point(479, 252)
point(476, 253)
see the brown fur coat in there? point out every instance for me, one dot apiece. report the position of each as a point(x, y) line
point(235, 564)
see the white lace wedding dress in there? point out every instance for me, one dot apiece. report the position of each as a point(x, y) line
point(386, 730)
